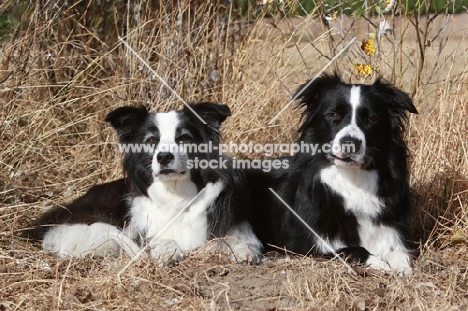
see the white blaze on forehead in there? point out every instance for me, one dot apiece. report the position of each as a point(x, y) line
point(167, 123)
point(352, 129)
point(355, 101)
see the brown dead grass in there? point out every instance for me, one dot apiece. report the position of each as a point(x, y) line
point(64, 70)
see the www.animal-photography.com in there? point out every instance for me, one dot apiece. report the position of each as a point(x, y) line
point(234, 155)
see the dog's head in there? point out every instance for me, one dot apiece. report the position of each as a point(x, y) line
point(158, 146)
point(352, 123)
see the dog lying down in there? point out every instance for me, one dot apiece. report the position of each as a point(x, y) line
point(160, 181)
point(353, 192)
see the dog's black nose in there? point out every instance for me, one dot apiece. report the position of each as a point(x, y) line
point(165, 158)
point(350, 144)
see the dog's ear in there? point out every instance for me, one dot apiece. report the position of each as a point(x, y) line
point(399, 101)
point(125, 120)
point(213, 114)
point(310, 92)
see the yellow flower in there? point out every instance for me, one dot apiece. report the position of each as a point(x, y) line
point(388, 5)
point(335, 15)
point(364, 69)
point(368, 46)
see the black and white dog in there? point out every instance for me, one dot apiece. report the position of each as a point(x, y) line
point(353, 191)
point(161, 178)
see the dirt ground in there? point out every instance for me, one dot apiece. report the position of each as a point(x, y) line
point(33, 281)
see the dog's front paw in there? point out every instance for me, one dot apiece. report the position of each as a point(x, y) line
point(404, 271)
point(400, 261)
point(241, 253)
point(374, 262)
point(397, 261)
point(167, 253)
point(243, 245)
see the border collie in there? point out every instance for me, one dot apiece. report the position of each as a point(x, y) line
point(355, 197)
point(161, 179)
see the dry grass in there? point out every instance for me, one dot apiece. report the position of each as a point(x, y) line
point(65, 69)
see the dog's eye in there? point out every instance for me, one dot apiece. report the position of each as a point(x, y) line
point(335, 116)
point(371, 121)
point(152, 140)
point(184, 138)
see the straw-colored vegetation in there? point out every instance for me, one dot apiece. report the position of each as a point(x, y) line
point(63, 68)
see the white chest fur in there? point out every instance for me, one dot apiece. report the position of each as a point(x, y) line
point(358, 188)
point(149, 215)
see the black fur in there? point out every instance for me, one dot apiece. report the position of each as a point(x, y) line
point(381, 116)
point(109, 202)
point(100, 203)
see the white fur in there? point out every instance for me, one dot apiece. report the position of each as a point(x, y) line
point(400, 261)
point(351, 130)
point(149, 215)
point(243, 245)
point(357, 187)
point(359, 191)
point(375, 262)
point(167, 123)
point(79, 240)
point(166, 252)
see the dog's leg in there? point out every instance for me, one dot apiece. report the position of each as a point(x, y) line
point(79, 240)
point(123, 241)
point(386, 244)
